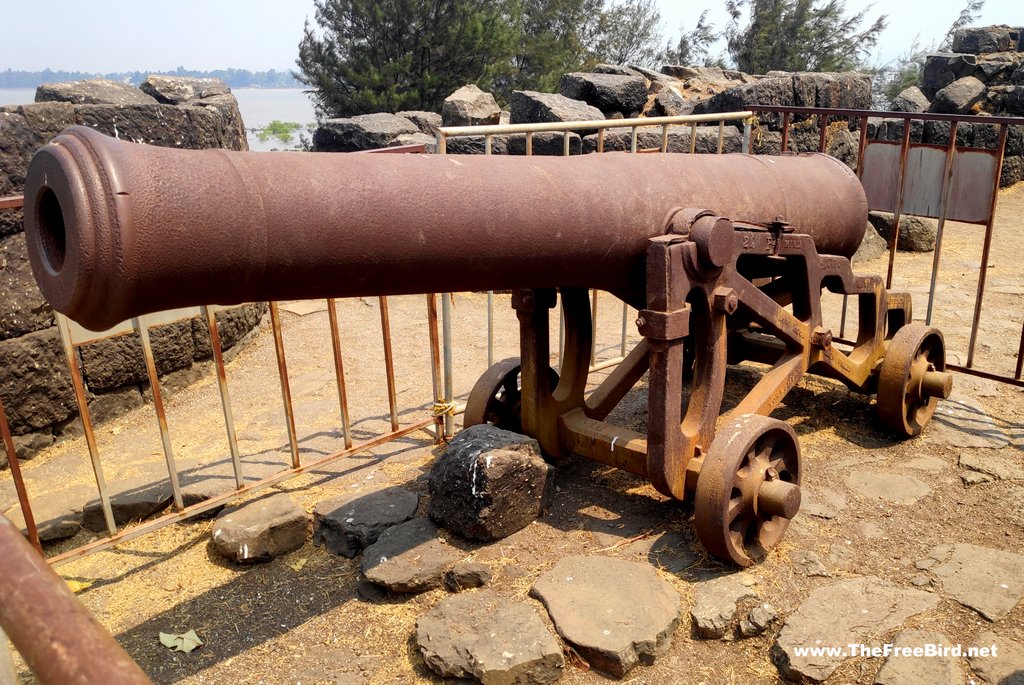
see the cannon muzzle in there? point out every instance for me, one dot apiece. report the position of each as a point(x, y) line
point(116, 229)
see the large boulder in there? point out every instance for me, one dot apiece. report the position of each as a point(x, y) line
point(777, 91)
point(362, 132)
point(426, 122)
point(616, 69)
point(529, 106)
point(260, 530)
point(93, 92)
point(910, 100)
point(669, 103)
point(470, 106)
point(845, 90)
point(476, 145)
point(610, 93)
point(1013, 101)
point(942, 68)
point(488, 484)
point(917, 234)
point(177, 90)
point(979, 40)
point(545, 143)
point(959, 96)
point(848, 90)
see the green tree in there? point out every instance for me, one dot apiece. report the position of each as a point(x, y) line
point(371, 56)
point(628, 33)
point(799, 35)
point(553, 37)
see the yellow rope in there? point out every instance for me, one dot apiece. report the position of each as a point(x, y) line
point(444, 409)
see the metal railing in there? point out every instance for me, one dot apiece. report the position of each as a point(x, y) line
point(567, 128)
point(968, 191)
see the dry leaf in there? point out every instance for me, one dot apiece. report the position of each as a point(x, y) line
point(184, 642)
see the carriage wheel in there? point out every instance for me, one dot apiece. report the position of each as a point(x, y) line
point(748, 489)
point(912, 379)
point(497, 397)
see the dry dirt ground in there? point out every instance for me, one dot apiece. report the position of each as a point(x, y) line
point(301, 619)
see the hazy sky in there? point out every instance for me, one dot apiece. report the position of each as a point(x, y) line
point(118, 35)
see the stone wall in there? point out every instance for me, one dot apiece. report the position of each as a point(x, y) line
point(616, 92)
point(983, 75)
point(35, 384)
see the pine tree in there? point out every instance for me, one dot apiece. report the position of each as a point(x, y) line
point(799, 35)
point(372, 56)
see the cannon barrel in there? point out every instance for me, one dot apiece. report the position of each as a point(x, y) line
point(116, 229)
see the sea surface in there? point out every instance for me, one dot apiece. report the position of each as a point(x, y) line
point(259, 107)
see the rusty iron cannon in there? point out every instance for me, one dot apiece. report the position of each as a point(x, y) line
point(725, 257)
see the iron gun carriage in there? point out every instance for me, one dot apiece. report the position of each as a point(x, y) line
point(724, 257)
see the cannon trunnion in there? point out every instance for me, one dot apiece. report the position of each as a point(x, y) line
point(725, 257)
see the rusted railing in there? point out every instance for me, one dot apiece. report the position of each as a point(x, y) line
point(567, 128)
point(968, 192)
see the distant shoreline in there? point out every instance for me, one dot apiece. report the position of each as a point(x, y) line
point(235, 78)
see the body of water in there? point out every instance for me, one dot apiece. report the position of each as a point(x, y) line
point(259, 107)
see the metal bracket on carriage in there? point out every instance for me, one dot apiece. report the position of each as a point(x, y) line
point(714, 235)
point(667, 326)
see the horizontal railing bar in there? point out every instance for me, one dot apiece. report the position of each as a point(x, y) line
point(498, 129)
point(872, 114)
point(987, 375)
point(415, 148)
point(150, 526)
point(607, 363)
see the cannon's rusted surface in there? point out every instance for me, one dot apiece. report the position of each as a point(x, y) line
point(726, 258)
point(119, 229)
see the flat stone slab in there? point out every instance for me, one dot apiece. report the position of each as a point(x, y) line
point(897, 488)
point(903, 668)
point(485, 636)
point(58, 515)
point(994, 465)
point(808, 564)
point(346, 525)
point(132, 500)
point(714, 606)
point(850, 611)
point(260, 530)
point(615, 613)
point(961, 421)
point(990, 581)
point(927, 463)
point(409, 557)
point(1006, 667)
point(467, 575)
point(823, 503)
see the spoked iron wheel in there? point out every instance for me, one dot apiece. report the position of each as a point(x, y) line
point(497, 397)
point(748, 489)
point(912, 379)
